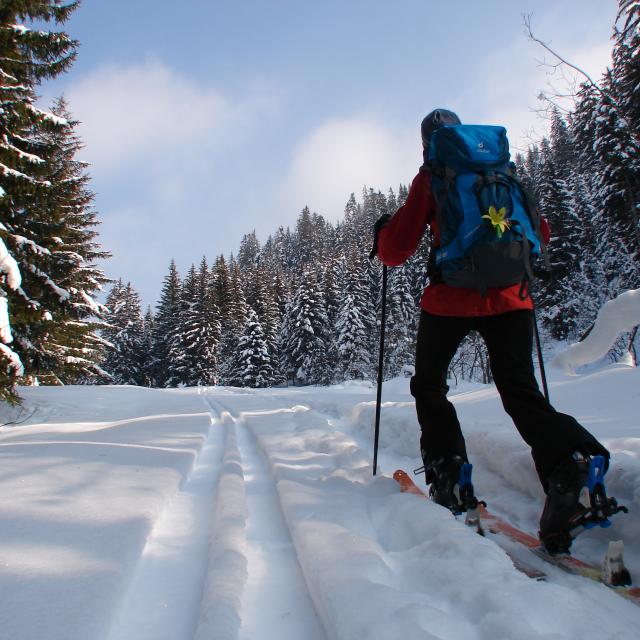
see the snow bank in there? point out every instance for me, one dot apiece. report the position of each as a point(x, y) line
point(615, 317)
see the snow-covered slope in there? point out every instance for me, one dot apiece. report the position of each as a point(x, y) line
point(237, 514)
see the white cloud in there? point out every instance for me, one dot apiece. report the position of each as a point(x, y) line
point(147, 112)
point(164, 150)
point(343, 155)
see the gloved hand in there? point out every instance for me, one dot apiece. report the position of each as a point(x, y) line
point(379, 223)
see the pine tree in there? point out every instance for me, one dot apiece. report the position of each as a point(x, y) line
point(556, 204)
point(182, 348)
point(165, 326)
point(353, 326)
point(235, 315)
point(126, 359)
point(399, 337)
point(150, 365)
point(267, 308)
point(252, 364)
point(625, 84)
point(249, 251)
point(27, 57)
point(67, 347)
point(308, 337)
point(201, 328)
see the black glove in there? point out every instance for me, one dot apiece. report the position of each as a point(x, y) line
point(380, 222)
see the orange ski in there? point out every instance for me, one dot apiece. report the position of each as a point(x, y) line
point(496, 525)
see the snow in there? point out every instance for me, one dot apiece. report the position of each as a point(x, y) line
point(252, 514)
point(5, 326)
point(14, 359)
point(615, 317)
point(51, 117)
point(9, 266)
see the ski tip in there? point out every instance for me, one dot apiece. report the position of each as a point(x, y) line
point(399, 475)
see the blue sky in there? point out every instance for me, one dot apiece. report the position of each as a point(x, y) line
point(204, 120)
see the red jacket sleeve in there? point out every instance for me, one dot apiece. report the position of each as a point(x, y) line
point(399, 238)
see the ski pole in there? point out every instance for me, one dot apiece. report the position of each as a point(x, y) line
point(380, 369)
point(543, 374)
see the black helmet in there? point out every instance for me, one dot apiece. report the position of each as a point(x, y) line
point(434, 121)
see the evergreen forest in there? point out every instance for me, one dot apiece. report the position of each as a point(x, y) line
point(303, 306)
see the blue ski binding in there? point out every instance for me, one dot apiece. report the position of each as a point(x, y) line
point(598, 507)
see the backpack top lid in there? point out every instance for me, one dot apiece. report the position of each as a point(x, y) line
point(469, 147)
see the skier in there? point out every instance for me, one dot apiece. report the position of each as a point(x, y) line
point(561, 448)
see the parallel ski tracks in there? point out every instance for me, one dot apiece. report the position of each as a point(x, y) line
point(220, 563)
point(276, 600)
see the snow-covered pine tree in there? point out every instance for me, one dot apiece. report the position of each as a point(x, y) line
point(281, 287)
point(329, 282)
point(590, 284)
point(349, 227)
point(399, 335)
point(248, 261)
point(304, 241)
point(267, 308)
point(27, 57)
point(203, 331)
point(557, 298)
point(150, 366)
point(234, 314)
point(67, 348)
point(622, 145)
point(165, 326)
point(309, 332)
point(311, 240)
point(182, 348)
point(252, 363)
point(352, 332)
point(126, 358)
point(249, 252)
point(283, 249)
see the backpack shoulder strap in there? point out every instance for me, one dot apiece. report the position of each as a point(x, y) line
point(533, 213)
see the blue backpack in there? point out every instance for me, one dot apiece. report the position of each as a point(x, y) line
point(489, 234)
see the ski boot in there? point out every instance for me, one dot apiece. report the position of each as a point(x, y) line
point(451, 487)
point(576, 500)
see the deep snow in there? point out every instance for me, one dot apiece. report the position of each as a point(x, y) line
point(223, 513)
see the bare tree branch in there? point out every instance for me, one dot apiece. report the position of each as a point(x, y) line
point(560, 59)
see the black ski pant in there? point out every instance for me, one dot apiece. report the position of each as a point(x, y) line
point(552, 435)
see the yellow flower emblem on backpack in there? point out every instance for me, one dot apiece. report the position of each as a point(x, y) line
point(496, 218)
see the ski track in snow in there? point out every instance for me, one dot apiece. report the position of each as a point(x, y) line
point(164, 597)
point(275, 595)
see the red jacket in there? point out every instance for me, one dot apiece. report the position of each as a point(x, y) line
point(399, 238)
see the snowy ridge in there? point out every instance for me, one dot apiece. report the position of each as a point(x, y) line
point(220, 610)
point(615, 317)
